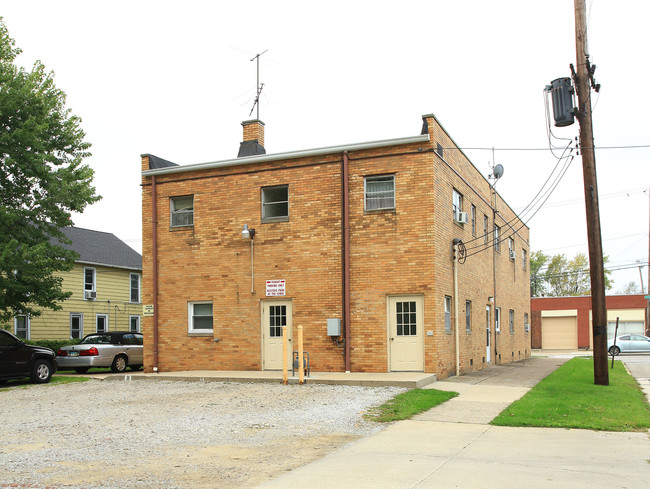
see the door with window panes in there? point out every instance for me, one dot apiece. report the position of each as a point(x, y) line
point(275, 315)
point(405, 329)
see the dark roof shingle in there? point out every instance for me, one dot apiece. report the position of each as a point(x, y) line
point(100, 248)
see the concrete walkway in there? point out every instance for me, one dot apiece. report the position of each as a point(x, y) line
point(452, 446)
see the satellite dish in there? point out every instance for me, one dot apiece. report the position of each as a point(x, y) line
point(498, 171)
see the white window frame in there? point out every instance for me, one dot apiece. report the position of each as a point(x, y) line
point(183, 214)
point(191, 315)
point(457, 203)
point(497, 238)
point(131, 288)
point(385, 201)
point(137, 318)
point(524, 259)
point(473, 218)
point(468, 316)
point(486, 227)
point(448, 314)
point(511, 248)
point(90, 286)
point(81, 325)
point(511, 320)
point(526, 324)
point(267, 204)
point(497, 319)
point(27, 326)
point(105, 317)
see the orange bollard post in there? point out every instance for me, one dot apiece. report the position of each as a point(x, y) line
point(285, 377)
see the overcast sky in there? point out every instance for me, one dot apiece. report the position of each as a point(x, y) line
point(175, 79)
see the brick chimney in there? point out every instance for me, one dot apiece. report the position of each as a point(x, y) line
point(253, 143)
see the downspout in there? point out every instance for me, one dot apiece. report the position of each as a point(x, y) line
point(494, 278)
point(346, 258)
point(455, 264)
point(154, 223)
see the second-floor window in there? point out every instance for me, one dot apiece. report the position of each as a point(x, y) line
point(473, 218)
point(379, 192)
point(90, 290)
point(182, 211)
point(497, 238)
point(511, 248)
point(135, 287)
point(275, 202)
point(485, 229)
point(457, 203)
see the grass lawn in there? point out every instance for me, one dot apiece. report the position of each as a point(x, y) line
point(408, 404)
point(568, 398)
point(56, 379)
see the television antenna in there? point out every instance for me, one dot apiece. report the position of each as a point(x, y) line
point(259, 86)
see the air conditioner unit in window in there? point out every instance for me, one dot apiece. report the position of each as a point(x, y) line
point(91, 294)
point(462, 217)
point(512, 255)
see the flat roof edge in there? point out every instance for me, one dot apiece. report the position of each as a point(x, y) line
point(246, 160)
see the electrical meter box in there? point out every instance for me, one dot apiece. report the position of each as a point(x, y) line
point(333, 327)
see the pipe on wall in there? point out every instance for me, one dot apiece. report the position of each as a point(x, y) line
point(154, 223)
point(346, 257)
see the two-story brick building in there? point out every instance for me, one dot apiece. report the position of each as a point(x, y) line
point(358, 234)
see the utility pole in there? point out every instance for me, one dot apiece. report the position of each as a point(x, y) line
point(583, 76)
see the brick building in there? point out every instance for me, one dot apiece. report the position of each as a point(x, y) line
point(564, 323)
point(359, 234)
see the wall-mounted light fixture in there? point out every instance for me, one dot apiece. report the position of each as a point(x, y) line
point(247, 233)
point(250, 234)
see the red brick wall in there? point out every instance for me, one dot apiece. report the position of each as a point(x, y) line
point(401, 251)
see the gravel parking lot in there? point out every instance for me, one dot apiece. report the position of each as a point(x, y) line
point(162, 434)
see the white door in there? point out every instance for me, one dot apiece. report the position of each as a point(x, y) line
point(275, 315)
point(406, 339)
point(488, 311)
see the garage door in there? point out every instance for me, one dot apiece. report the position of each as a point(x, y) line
point(559, 333)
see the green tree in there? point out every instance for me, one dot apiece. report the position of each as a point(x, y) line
point(537, 262)
point(42, 181)
point(557, 276)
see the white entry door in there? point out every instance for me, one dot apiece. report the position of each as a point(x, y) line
point(275, 314)
point(488, 310)
point(406, 338)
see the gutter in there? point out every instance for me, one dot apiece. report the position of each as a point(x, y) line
point(247, 160)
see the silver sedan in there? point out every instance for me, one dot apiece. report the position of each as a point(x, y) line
point(629, 343)
point(117, 350)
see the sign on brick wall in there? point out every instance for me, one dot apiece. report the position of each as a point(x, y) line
point(275, 288)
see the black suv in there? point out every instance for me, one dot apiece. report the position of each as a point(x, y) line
point(18, 360)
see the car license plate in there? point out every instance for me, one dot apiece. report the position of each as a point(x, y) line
point(73, 354)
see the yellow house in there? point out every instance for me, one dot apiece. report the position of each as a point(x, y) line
point(106, 291)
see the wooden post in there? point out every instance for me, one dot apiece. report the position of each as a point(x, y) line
point(301, 369)
point(594, 239)
point(285, 376)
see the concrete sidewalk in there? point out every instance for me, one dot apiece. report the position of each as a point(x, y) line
point(453, 446)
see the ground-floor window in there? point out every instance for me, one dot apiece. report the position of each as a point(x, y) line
point(468, 316)
point(101, 323)
point(76, 326)
point(511, 320)
point(447, 314)
point(134, 324)
point(199, 317)
point(21, 326)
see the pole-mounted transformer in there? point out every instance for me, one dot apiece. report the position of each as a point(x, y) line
point(562, 94)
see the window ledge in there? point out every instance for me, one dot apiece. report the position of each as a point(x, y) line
point(449, 331)
point(267, 220)
point(181, 228)
point(390, 210)
point(210, 334)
